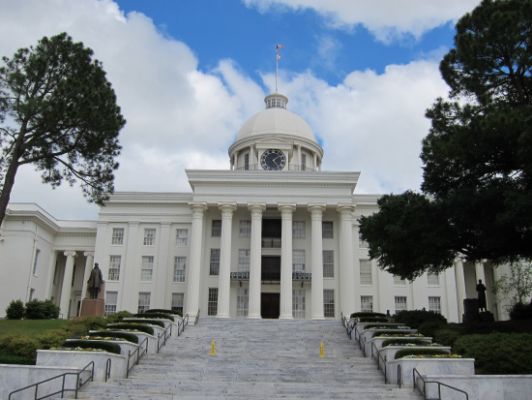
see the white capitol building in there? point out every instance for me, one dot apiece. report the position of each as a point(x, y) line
point(273, 236)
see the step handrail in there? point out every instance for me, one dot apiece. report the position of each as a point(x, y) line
point(423, 390)
point(79, 383)
point(139, 355)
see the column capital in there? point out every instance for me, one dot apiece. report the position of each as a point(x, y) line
point(256, 207)
point(69, 253)
point(227, 208)
point(345, 208)
point(316, 209)
point(286, 208)
point(198, 205)
point(88, 253)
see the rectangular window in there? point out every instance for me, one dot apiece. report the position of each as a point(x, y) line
point(303, 162)
point(181, 237)
point(246, 161)
point(118, 236)
point(144, 301)
point(216, 228)
point(179, 269)
point(366, 303)
point(243, 260)
point(177, 302)
point(215, 262)
point(114, 268)
point(400, 303)
point(245, 228)
point(298, 260)
point(149, 236)
point(327, 229)
point(111, 300)
point(361, 242)
point(36, 261)
point(366, 277)
point(328, 303)
point(328, 263)
point(32, 293)
point(433, 279)
point(298, 303)
point(435, 304)
point(398, 281)
point(298, 229)
point(146, 269)
point(242, 301)
point(212, 304)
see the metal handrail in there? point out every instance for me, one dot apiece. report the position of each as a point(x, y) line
point(79, 383)
point(382, 358)
point(108, 369)
point(423, 390)
point(139, 355)
point(399, 377)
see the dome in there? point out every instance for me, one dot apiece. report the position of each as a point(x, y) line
point(276, 119)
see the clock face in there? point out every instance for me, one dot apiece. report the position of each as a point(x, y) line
point(273, 160)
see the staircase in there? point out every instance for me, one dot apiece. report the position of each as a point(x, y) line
point(256, 359)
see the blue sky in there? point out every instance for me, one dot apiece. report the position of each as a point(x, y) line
point(189, 73)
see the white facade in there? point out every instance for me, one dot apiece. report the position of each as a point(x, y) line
point(273, 236)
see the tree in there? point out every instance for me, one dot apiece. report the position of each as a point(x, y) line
point(517, 283)
point(477, 180)
point(58, 112)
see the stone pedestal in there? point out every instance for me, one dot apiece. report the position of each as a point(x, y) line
point(93, 307)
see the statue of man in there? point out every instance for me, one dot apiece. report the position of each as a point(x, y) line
point(481, 290)
point(95, 282)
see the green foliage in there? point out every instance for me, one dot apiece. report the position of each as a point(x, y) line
point(367, 314)
point(414, 318)
point(118, 316)
point(521, 311)
point(20, 348)
point(498, 353)
point(161, 311)
point(45, 309)
point(446, 336)
point(154, 315)
point(116, 334)
point(413, 351)
point(403, 342)
point(380, 326)
point(429, 328)
point(517, 284)
point(146, 321)
point(27, 327)
point(394, 332)
point(80, 326)
point(133, 327)
point(93, 344)
point(15, 310)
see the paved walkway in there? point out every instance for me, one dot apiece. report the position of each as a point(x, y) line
point(256, 359)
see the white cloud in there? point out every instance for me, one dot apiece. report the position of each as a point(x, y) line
point(386, 19)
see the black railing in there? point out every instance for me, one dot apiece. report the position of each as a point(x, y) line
point(271, 243)
point(382, 358)
point(108, 369)
point(139, 352)
point(240, 276)
point(423, 388)
point(79, 383)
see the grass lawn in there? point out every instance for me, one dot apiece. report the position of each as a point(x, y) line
point(30, 327)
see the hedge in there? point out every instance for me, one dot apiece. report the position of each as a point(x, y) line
point(372, 319)
point(36, 309)
point(146, 321)
point(93, 344)
point(413, 351)
point(15, 310)
point(162, 311)
point(414, 318)
point(367, 314)
point(391, 332)
point(369, 326)
point(395, 342)
point(130, 337)
point(498, 353)
point(154, 315)
point(133, 327)
point(23, 349)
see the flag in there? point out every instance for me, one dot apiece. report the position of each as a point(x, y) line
point(278, 48)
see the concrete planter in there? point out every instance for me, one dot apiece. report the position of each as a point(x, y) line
point(152, 340)
point(126, 347)
point(400, 371)
point(367, 343)
point(388, 352)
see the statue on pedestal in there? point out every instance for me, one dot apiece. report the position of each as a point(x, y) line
point(481, 290)
point(95, 282)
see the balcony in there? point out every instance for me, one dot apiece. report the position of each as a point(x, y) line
point(271, 276)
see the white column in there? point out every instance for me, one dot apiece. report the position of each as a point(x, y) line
point(316, 213)
point(347, 275)
point(89, 261)
point(66, 288)
point(460, 287)
point(51, 273)
point(286, 261)
point(255, 260)
point(224, 278)
point(479, 272)
point(196, 247)
point(160, 298)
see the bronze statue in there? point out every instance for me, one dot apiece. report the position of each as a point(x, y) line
point(95, 282)
point(481, 290)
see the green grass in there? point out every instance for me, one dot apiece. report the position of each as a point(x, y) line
point(30, 327)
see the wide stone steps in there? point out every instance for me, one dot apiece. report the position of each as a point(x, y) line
point(256, 359)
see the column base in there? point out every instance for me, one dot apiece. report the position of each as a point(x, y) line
point(254, 316)
point(288, 316)
point(318, 317)
point(222, 316)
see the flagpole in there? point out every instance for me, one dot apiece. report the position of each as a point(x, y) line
point(276, 67)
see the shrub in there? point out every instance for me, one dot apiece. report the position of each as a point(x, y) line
point(414, 318)
point(22, 349)
point(372, 319)
point(52, 338)
point(380, 326)
point(498, 353)
point(147, 321)
point(162, 311)
point(133, 327)
point(429, 328)
point(15, 310)
point(154, 315)
point(37, 309)
point(118, 316)
point(130, 337)
point(367, 314)
point(93, 344)
point(413, 351)
point(521, 311)
point(395, 342)
point(446, 336)
point(80, 326)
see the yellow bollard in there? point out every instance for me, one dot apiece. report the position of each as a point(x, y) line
point(212, 353)
point(322, 349)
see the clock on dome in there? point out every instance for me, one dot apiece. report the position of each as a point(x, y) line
point(273, 160)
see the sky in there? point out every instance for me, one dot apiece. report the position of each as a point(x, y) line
point(189, 73)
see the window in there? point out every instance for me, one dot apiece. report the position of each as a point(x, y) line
point(215, 262)
point(328, 263)
point(366, 303)
point(212, 305)
point(328, 303)
point(36, 261)
point(298, 229)
point(181, 237)
point(243, 260)
point(303, 162)
point(146, 269)
point(433, 279)
point(361, 242)
point(435, 304)
point(177, 302)
point(216, 228)
point(242, 301)
point(246, 161)
point(298, 303)
point(149, 236)
point(118, 236)
point(327, 229)
point(114, 268)
point(398, 281)
point(366, 277)
point(144, 301)
point(400, 303)
point(245, 228)
point(111, 299)
point(179, 269)
point(298, 260)
point(32, 293)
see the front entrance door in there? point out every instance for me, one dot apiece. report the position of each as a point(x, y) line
point(269, 305)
